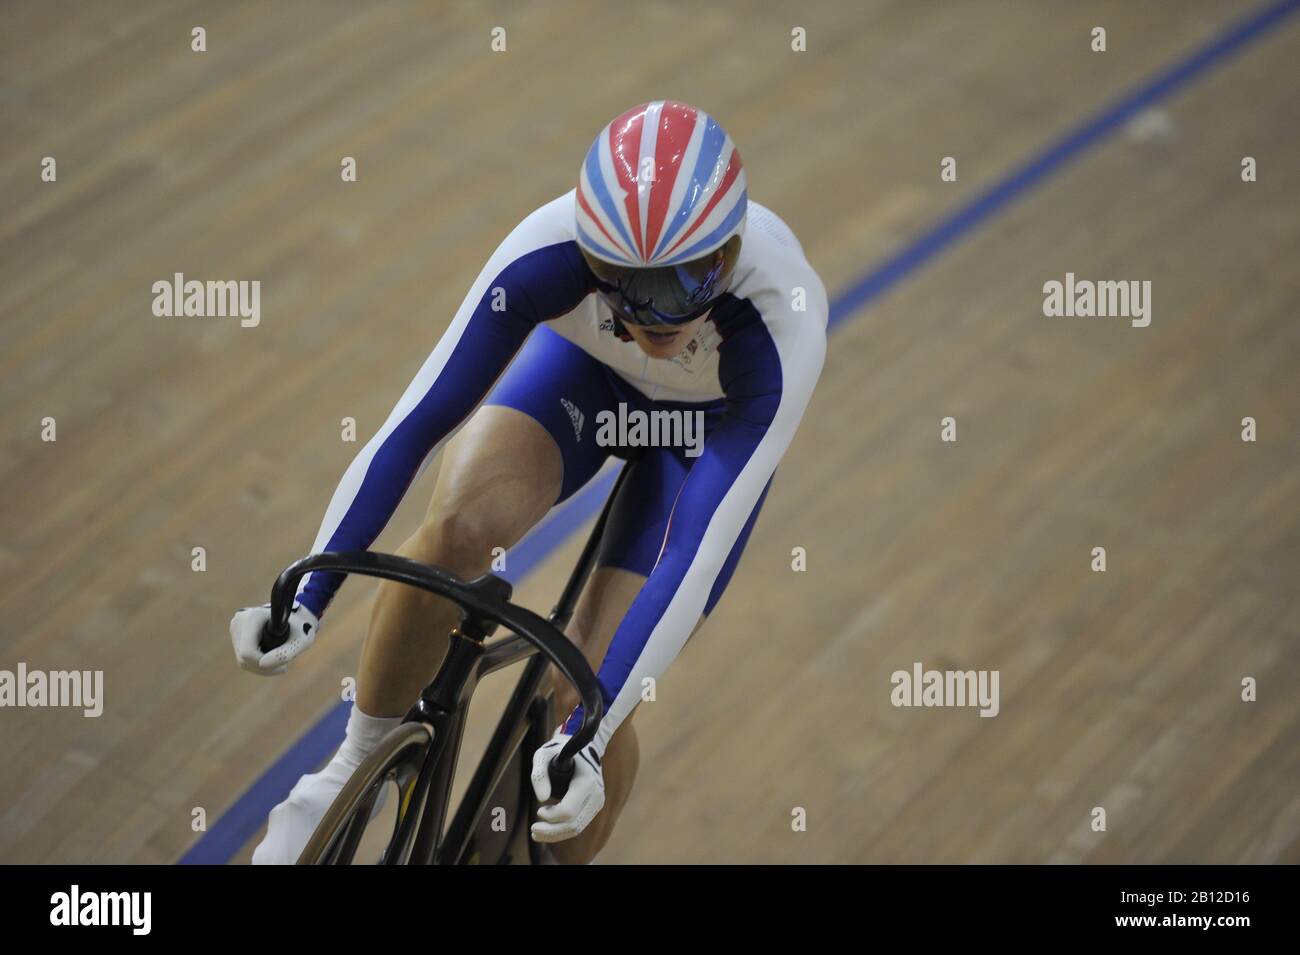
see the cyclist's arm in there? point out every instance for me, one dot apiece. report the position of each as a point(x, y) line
point(768, 375)
point(523, 284)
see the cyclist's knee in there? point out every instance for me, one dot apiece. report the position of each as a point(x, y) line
point(461, 539)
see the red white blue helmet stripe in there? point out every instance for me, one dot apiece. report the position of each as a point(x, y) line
point(662, 184)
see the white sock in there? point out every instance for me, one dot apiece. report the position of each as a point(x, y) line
point(363, 735)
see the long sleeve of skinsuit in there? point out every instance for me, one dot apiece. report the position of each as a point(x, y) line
point(770, 361)
point(535, 275)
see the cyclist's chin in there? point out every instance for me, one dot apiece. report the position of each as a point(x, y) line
point(666, 341)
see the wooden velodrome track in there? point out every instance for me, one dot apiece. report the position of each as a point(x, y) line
point(1119, 689)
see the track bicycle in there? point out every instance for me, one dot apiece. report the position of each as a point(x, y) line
point(420, 754)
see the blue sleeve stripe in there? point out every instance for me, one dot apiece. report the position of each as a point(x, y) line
point(768, 371)
point(534, 287)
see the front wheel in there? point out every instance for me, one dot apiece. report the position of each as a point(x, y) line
point(397, 758)
point(502, 834)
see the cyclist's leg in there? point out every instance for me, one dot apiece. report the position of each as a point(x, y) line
point(629, 550)
point(499, 475)
point(518, 465)
point(604, 603)
point(521, 453)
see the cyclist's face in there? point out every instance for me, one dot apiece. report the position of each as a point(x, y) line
point(665, 341)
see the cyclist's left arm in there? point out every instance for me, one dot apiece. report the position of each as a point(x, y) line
point(768, 372)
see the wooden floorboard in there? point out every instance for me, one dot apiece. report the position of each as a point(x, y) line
point(1119, 690)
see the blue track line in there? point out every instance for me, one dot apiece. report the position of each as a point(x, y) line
point(233, 830)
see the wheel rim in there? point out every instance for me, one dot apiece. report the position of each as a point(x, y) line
point(339, 833)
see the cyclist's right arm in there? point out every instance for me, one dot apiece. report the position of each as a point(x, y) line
point(523, 284)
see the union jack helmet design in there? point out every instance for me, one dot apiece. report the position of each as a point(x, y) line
point(662, 184)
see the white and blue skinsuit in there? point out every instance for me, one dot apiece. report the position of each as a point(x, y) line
point(682, 521)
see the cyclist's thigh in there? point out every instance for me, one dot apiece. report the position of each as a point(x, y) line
point(563, 389)
point(630, 548)
point(639, 520)
point(520, 453)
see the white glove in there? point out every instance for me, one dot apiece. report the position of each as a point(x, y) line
point(585, 797)
point(246, 628)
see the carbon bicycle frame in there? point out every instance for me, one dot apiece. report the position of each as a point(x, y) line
point(444, 706)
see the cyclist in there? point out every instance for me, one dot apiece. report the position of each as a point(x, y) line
point(655, 286)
